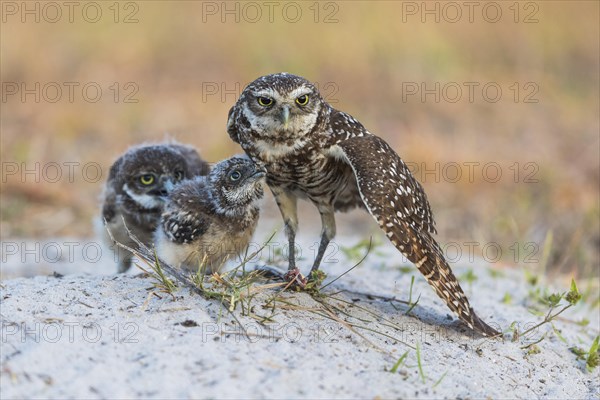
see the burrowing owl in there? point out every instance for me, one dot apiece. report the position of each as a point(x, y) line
point(313, 151)
point(136, 190)
point(210, 219)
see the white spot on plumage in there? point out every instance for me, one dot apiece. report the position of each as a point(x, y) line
point(421, 262)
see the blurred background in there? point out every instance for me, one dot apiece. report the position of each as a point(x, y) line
point(495, 106)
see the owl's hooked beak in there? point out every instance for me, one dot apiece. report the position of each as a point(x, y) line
point(259, 172)
point(285, 116)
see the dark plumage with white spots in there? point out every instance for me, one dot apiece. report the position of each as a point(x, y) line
point(315, 152)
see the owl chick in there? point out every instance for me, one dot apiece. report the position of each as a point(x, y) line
point(136, 190)
point(211, 219)
point(313, 151)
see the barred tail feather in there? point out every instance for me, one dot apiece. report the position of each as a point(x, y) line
point(439, 275)
point(426, 254)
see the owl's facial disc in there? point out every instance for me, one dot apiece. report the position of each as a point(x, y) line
point(283, 114)
point(238, 184)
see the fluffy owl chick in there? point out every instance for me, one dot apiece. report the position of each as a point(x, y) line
point(313, 151)
point(210, 219)
point(136, 191)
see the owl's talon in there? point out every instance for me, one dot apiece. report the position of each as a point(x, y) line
point(295, 277)
point(292, 276)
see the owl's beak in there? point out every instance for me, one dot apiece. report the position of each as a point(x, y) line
point(285, 116)
point(258, 175)
point(259, 172)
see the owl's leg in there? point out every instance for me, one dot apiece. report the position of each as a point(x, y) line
point(327, 233)
point(288, 207)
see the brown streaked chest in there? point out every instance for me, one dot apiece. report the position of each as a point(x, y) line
point(311, 172)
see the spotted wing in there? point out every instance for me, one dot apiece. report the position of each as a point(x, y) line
point(398, 203)
point(186, 215)
point(180, 229)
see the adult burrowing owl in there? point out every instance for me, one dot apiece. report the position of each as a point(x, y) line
point(136, 190)
point(210, 219)
point(313, 151)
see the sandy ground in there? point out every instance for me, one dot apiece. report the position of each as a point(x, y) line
point(94, 334)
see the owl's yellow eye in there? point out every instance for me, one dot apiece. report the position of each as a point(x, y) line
point(302, 100)
point(265, 101)
point(147, 179)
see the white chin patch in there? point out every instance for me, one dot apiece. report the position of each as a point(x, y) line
point(269, 150)
point(144, 200)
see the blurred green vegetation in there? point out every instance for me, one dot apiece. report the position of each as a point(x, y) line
point(363, 62)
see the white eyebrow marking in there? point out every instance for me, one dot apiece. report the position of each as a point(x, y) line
point(299, 92)
point(269, 92)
